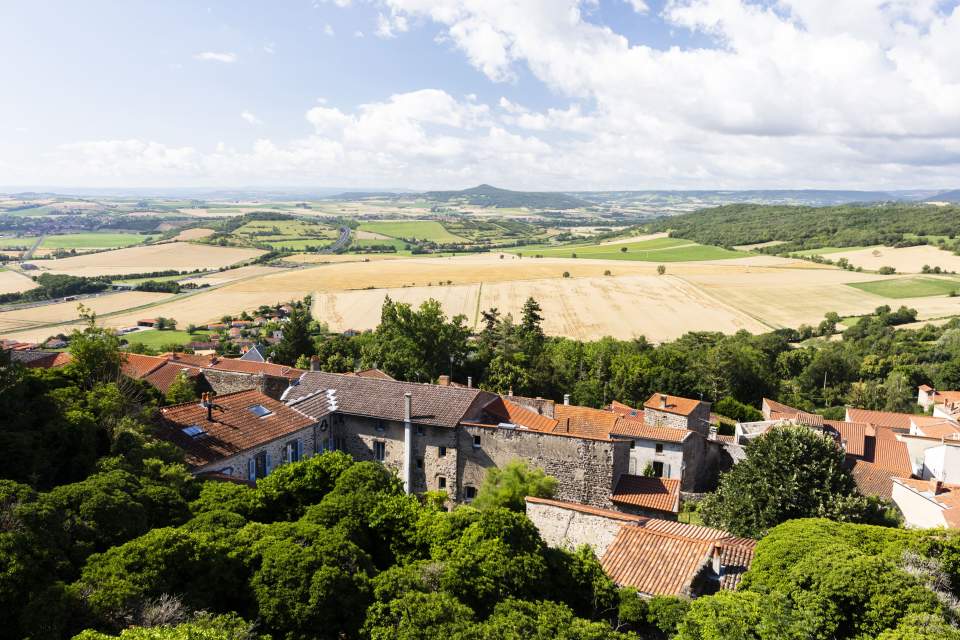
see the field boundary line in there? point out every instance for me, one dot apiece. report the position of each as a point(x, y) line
point(726, 304)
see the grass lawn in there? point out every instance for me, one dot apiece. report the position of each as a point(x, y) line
point(399, 245)
point(915, 287)
point(158, 279)
point(825, 250)
point(298, 244)
point(429, 230)
point(155, 339)
point(17, 243)
point(93, 240)
point(656, 250)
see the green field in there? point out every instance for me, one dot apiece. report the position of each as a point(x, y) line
point(656, 250)
point(915, 287)
point(399, 245)
point(155, 339)
point(157, 279)
point(16, 243)
point(429, 230)
point(298, 244)
point(295, 228)
point(93, 240)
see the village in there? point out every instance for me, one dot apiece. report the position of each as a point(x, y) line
point(624, 474)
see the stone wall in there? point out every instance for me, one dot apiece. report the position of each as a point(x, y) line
point(586, 470)
point(358, 435)
point(698, 420)
point(237, 466)
point(222, 382)
point(569, 527)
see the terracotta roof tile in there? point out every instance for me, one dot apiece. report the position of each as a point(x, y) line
point(735, 560)
point(654, 563)
point(854, 434)
point(234, 427)
point(660, 494)
point(513, 413)
point(136, 365)
point(675, 404)
point(163, 376)
point(890, 453)
point(235, 365)
point(637, 428)
point(373, 373)
point(948, 497)
point(594, 423)
point(872, 480)
point(880, 418)
point(41, 359)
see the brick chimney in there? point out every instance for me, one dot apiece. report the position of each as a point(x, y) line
point(936, 486)
point(314, 363)
point(443, 381)
point(663, 401)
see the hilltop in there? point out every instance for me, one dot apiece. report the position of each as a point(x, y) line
point(486, 195)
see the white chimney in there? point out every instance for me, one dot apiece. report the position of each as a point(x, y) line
point(469, 382)
point(314, 363)
point(407, 406)
point(566, 398)
point(663, 401)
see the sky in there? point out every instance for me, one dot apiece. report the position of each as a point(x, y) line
point(523, 94)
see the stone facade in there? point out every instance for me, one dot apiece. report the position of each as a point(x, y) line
point(568, 528)
point(586, 470)
point(275, 451)
point(697, 420)
point(671, 457)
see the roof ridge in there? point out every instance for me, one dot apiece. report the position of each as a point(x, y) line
point(221, 395)
point(395, 381)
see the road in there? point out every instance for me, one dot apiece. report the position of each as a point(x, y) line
point(341, 242)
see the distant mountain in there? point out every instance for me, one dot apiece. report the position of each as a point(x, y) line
point(809, 197)
point(946, 196)
point(485, 195)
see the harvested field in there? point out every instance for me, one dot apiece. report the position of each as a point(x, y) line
point(331, 258)
point(13, 282)
point(182, 256)
point(194, 234)
point(93, 240)
point(629, 239)
point(904, 260)
point(626, 303)
point(230, 275)
point(66, 312)
point(360, 234)
point(759, 245)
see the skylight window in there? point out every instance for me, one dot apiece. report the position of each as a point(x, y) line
point(194, 431)
point(260, 411)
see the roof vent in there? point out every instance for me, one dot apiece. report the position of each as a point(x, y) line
point(260, 411)
point(194, 431)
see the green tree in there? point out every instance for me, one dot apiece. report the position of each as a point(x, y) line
point(95, 352)
point(182, 389)
point(788, 473)
point(296, 340)
point(204, 627)
point(507, 487)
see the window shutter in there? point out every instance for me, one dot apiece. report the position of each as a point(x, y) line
point(288, 453)
point(298, 444)
point(251, 470)
point(269, 463)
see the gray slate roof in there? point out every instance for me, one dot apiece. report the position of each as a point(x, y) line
point(384, 399)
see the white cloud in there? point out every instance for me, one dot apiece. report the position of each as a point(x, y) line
point(388, 26)
point(358, 34)
point(269, 48)
point(638, 5)
point(216, 56)
point(250, 118)
point(328, 30)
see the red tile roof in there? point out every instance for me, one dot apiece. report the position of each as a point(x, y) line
point(947, 497)
point(373, 373)
point(136, 365)
point(235, 365)
point(637, 428)
point(659, 494)
point(163, 376)
point(234, 427)
point(675, 404)
point(890, 453)
point(880, 418)
point(854, 434)
point(513, 413)
point(594, 423)
point(872, 480)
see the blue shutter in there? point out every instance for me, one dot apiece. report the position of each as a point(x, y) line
point(298, 445)
point(269, 463)
point(251, 470)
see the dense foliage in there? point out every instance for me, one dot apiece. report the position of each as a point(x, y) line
point(56, 285)
point(788, 473)
point(811, 227)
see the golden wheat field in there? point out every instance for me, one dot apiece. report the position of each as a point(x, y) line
point(904, 259)
point(183, 256)
point(755, 293)
point(194, 234)
point(12, 322)
point(13, 282)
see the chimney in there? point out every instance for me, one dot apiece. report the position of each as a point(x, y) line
point(469, 382)
point(936, 486)
point(715, 558)
point(443, 381)
point(663, 401)
point(205, 402)
point(566, 398)
point(407, 406)
point(214, 360)
point(713, 433)
point(314, 363)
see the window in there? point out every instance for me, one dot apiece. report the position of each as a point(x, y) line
point(633, 466)
point(469, 493)
point(633, 444)
point(259, 466)
point(294, 450)
point(442, 482)
point(194, 431)
point(419, 429)
point(381, 426)
point(658, 469)
point(419, 463)
point(659, 447)
point(476, 442)
point(379, 451)
point(441, 452)
point(260, 411)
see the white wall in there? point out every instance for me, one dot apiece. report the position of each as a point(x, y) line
point(644, 451)
point(918, 511)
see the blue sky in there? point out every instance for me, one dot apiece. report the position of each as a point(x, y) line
point(553, 94)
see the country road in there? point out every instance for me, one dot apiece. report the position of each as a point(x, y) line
point(341, 242)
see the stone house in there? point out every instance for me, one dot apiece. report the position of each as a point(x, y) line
point(242, 435)
point(656, 557)
point(681, 413)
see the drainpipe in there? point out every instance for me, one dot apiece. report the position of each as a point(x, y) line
point(407, 443)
